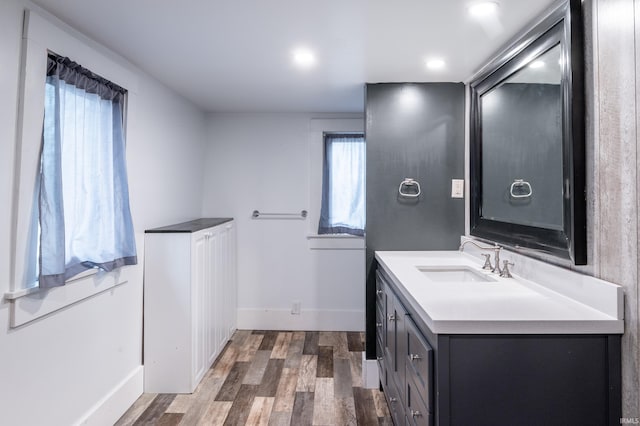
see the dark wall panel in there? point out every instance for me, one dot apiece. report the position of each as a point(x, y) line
point(412, 131)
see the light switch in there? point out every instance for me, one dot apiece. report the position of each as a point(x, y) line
point(457, 188)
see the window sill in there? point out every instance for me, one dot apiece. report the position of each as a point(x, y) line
point(335, 242)
point(29, 304)
point(16, 294)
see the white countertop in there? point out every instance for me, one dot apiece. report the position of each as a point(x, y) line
point(504, 306)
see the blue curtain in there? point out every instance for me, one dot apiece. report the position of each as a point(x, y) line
point(84, 215)
point(343, 207)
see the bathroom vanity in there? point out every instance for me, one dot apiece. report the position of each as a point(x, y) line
point(458, 345)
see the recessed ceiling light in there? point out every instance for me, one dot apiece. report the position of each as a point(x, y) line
point(303, 58)
point(435, 64)
point(483, 9)
point(536, 64)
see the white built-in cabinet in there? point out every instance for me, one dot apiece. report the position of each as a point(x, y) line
point(190, 300)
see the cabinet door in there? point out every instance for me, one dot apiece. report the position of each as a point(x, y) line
point(419, 364)
point(228, 283)
point(389, 330)
point(396, 344)
point(199, 285)
point(401, 348)
point(212, 295)
point(222, 305)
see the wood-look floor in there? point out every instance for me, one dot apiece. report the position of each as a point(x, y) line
point(274, 378)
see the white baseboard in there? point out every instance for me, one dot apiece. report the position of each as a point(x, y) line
point(370, 373)
point(307, 320)
point(110, 408)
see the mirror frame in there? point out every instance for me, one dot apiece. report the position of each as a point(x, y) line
point(562, 24)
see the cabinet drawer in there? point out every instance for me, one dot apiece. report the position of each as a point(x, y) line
point(417, 412)
point(380, 323)
point(379, 289)
point(395, 403)
point(419, 361)
point(380, 359)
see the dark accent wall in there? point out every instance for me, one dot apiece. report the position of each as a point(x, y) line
point(413, 130)
point(522, 122)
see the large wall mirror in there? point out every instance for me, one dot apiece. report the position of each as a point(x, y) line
point(527, 140)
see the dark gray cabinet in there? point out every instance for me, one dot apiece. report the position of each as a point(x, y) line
point(471, 379)
point(405, 360)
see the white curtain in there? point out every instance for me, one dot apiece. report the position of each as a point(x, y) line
point(85, 220)
point(343, 190)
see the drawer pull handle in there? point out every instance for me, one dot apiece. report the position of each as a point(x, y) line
point(391, 317)
point(414, 357)
point(378, 324)
point(378, 292)
point(416, 413)
point(392, 400)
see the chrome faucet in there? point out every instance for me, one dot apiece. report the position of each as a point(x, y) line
point(487, 264)
point(505, 273)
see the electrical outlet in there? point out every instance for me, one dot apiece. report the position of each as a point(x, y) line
point(457, 188)
point(295, 307)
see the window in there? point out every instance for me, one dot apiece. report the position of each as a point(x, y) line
point(84, 220)
point(343, 210)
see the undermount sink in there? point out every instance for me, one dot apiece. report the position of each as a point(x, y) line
point(453, 274)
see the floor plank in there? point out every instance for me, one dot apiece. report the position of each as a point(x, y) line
point(302, 409)
point(325, 338)
point(181, 403)
point(355, 342)
point(356, 369)
point(337, 340)
point(201, 399)
point(156, 409)
point(239, 411)
point(138, 407)
point(294, 353)
point(286, 392)
point(233, 382)
point(325, 361)
point(307, 373)
point(365, 408)
point(341, 346)
point(343, 383)
point(257, 367)
point(345, 412)
point(268, 341)
point(380, 402)
point(271, 378)
point(311, 343)
point(248, 350)
point(225, 362)
point(260, 411)
point(280, 418)
point(281, 346)
point(323, 402)
point(169, 419)
point(299, 335)
point(215, 414)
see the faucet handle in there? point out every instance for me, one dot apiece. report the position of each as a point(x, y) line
point(487, 261)
point(505, 273)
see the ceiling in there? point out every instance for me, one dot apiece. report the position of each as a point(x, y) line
point(235, 55)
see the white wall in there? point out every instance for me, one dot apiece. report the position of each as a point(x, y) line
point(272, 163)
point(58, 369)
